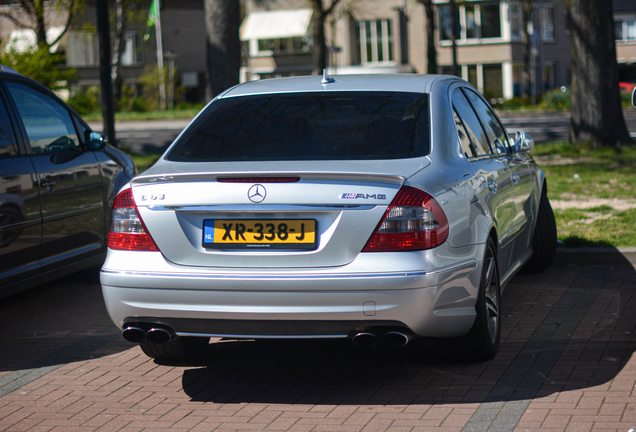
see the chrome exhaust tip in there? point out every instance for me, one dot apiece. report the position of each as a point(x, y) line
point(134, 334)
point(159, 335)
point(395, 339)
point(365, 340)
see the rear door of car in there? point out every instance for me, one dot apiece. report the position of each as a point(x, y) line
point(520, 170)
point(20, 217)
point(71, 190)
point(490, 164)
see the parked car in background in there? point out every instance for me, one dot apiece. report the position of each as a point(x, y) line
point(58, 180)
point(376, 208)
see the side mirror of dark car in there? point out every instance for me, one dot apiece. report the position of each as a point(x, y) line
point(523, 142)
point(94, 140)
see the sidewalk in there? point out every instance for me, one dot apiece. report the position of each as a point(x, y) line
point(566, 363)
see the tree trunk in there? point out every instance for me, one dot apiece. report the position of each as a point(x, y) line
point(118, 48)
point(431, 49)
point(40, 27)
point(318, 34)
point(526, 13)
point(597, 117)
point(222, 21)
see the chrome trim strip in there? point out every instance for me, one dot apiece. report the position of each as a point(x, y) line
point(20, 225)
point(389, 179)
point(259, 208)
point(465, 266)
point(236, 336)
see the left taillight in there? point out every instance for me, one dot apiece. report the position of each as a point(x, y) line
point(413, 221)
point(127, 230)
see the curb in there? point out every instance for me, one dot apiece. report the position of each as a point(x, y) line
point(596, 256)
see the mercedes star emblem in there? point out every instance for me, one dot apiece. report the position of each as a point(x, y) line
point(257, 193)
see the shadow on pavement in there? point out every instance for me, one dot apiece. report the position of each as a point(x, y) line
point(54, 323)
point(568, 328)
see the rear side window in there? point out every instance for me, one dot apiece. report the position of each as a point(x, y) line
point(495, 131)
point(308, 126)
point(48, 124)
point(475, 132)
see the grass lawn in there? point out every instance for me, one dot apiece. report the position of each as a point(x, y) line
point(593, 194)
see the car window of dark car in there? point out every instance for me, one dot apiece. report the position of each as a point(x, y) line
point(495, 131)
point(472, 124)
point(308, 126)
point(8, 143)
point(48, 124)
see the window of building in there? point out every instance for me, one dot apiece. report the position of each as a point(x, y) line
point(83, 49)
point(546, 12)
point(472, 75)
point(625, 29)
point(481, 21)
point(471, 22)
point(374, 42)
point(132, 49)
point(546, 15)
point(490, 21)
point(515, 15)
point(493, 83)
point(549, 76)
point(517, 79)
point(444, 15)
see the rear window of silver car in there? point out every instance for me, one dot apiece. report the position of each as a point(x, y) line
point(308, 126)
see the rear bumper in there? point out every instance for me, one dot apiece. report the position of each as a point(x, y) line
point(272, 304)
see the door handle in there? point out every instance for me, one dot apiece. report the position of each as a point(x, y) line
point(492, 186)
point(515, 179)
point(47, 183)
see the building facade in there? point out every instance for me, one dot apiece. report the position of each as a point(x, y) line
point(389, 36)
point(363, 36)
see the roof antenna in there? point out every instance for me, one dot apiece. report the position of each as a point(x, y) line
point(326, 79)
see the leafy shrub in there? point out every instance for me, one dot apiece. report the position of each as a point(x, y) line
point(517, 102)
point(85, 101)
point(39, 65)
point(557, 99)
point(143, 104)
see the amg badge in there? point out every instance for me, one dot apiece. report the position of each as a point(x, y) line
point(362, 196)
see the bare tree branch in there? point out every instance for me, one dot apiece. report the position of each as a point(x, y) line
point(14, 20)
point(69, 20)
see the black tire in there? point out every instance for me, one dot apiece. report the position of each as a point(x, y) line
point(482, 341)
point(179, 349)
point(486, 331)
point(544, 240)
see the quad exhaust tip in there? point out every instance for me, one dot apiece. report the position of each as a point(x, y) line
point(134, 334)
point(156, 335)
point(369, 339)
point(395, 339)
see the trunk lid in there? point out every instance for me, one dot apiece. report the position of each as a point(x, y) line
point(261, 219)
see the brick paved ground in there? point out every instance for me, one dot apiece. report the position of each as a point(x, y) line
point(566, 364)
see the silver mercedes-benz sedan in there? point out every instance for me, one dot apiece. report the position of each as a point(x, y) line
point(375, 208)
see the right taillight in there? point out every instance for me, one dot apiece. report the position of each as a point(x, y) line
point(413, 221)
point(127, 231)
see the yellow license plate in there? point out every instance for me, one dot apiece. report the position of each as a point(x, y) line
point(259, 233)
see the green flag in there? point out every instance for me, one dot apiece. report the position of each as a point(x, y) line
point(152, 17)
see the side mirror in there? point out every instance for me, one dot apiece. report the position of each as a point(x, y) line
point(94, 140)
point(523, 142)
point(634, 96)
